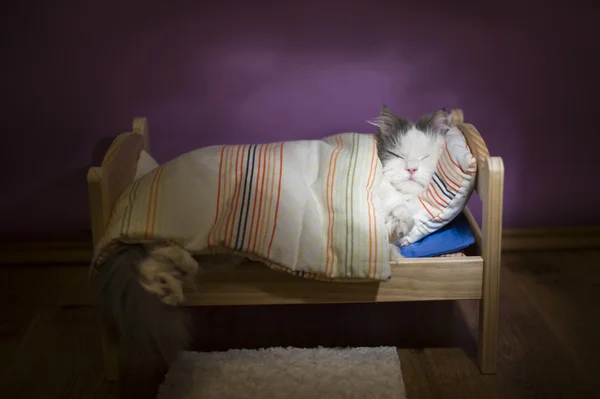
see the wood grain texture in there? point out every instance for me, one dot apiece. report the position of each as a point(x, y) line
point(565, 238)
point(548, 334)
point(412, 280)
point(476, 143)
point(49, 253)
point(548, 346)
point(140, 127)
point(555, 287)
point(458, 116)
point(492, 194)
point(474, 228)
point(120, 162)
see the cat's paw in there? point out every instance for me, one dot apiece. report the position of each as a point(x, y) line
point(405, 226)
point(181, 260)
point(165, 272)
point(394, 253)
point(403, 221)
point(398, 228)
point(390, 225)
point(160, 280)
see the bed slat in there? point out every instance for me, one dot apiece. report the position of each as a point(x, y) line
point(412, 280)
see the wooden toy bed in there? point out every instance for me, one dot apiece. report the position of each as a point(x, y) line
point(413, 279)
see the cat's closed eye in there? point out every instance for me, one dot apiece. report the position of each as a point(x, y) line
point(394, 154)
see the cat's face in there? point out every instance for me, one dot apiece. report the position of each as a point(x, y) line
point(412, 160)
point(410, 152)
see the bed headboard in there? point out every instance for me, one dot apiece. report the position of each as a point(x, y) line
point(116, 173)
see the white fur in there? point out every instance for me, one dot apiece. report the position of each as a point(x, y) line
point(399, 189)
point(165, 272)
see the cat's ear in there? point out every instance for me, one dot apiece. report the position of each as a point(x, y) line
point(385, 111)
point(388, 123)
point(442, 120)
point(438, 122)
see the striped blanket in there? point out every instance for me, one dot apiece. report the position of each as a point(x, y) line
point(305, 207)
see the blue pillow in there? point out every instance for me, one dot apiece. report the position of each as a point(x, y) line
point(453, 237)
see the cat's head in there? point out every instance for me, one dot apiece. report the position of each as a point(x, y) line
point(410, 152)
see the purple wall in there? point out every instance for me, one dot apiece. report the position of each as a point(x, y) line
point(253, 71)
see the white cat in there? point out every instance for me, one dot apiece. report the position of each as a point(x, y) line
point(409, 154)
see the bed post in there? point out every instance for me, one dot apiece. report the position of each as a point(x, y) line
point(492, 191)
point(140, 126)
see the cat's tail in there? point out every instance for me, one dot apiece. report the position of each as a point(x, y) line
point(137, 290)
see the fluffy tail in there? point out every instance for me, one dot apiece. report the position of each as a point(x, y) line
point(136, 290)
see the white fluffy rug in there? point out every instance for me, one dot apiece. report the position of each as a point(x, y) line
point(286, 373)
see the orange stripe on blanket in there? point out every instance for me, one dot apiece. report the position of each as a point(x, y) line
point(261, 205)
point(451, 159)
point(472, 169)
point(339, 139)
point(370, 216)
point(149, 213)
point(436, 193)
point(452, 168)
point(230, 181)
point(270, 200)
point(278, 198)
point(444, 171)
point(426, 208)
point(328, 209)
point(159, 173)
point(239, 194)
point(236, 189)
point(434, 199)
point(228, 188)
point(209, 244)
point(371, 206)
point(329, 197)
point(453, 173)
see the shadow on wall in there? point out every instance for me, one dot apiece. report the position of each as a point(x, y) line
point(100, 150)
point(52, 206)
point(241, 73)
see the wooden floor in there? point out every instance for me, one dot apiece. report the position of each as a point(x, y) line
point(549, 334)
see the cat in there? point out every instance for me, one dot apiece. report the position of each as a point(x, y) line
point(139, 289)
point(409, 154)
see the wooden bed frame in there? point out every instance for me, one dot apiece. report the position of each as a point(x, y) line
point(470, 277)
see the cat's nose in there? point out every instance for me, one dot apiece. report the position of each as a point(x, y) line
point(411, 170)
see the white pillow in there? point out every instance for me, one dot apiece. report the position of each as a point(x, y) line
point(145, 164)
point(449, 190)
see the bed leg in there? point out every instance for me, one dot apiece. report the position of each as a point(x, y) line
point(488, 322)
point(492, 198)
point(110, 354)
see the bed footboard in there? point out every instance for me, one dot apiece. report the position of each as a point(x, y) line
point(105, 185)
point(491, 193)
